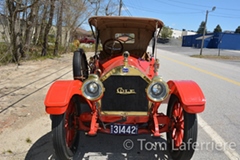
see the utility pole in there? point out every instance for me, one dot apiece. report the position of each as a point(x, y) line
point(204, 30)
point(120, 7)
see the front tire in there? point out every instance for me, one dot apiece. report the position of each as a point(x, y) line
point(80, 65)
point(181, 139)
point(65, 131)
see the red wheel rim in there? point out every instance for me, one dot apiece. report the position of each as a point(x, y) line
point(70, 124)
point(178, 128)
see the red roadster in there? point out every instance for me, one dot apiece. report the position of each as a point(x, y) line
point(119, 91)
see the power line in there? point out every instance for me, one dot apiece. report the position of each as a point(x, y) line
point(225, 16)
point(190, 4)
point(229, 15)
point(164, 2)
point(194, 4)
point(162, 12)
point(126, 9)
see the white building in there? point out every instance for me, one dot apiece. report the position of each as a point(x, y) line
point(179, 33)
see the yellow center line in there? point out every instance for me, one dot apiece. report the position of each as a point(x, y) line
point(203, 71)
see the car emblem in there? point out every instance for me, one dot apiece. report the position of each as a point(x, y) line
point(120, 90)
point(125, 70)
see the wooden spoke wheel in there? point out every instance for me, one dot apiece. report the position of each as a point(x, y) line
point(183, 134)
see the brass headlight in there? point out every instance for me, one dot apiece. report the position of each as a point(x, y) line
point(157, 90)
point(92, 88)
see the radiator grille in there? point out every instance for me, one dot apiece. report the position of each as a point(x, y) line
point(112, 101)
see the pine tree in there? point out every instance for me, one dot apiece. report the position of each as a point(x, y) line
point(201, 28)
point(237, 30)
point(218, 29)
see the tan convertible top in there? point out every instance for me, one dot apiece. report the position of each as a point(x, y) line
point(143, 30)
point(101, 22)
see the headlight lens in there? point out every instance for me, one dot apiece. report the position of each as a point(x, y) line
point(157, 90)
point(92, 88)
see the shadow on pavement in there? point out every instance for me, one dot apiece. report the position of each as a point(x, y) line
point(42, 149)
point(105, 146)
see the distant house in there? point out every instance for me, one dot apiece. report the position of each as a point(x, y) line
point(176, 33)
point(180, 33)
point(80, 33)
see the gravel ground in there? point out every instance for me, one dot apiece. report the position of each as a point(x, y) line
point(22, 113)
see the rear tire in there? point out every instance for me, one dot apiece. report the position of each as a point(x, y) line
point(182, 138)
point(80, 65)
point(65, 131)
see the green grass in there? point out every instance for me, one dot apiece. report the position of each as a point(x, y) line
point(216, 57)
point(34, 52)
point(28, 140)
point(4, 57)
point(8, 151)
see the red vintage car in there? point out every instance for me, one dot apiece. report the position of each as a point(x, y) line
point(118, 91)
point(87, 40)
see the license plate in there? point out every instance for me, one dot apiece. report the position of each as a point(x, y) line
point(124, 129)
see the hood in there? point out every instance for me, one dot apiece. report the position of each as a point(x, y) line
point(133, 66)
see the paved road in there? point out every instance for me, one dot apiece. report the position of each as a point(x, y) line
point(218, 124)
point(234, 54)
point(220, 82)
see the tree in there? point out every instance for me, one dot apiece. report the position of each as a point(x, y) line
point(111, 8)
point(201, 28)
point(166, 32)
point(30, 21)
point(218, 29)
point(15, 18)
point(36, 25)
point(59, 27)
point(237, 30)
point(75, 13)
point(47, 28)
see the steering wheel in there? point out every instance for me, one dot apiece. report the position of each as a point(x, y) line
point(110, 48)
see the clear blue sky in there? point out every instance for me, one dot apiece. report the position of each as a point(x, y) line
point(187, 14)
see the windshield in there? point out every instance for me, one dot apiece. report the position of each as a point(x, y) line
point(125, 37)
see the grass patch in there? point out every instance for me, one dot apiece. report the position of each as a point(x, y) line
point(5, 57)
point(28, 140)
point(90, 48)
point(8, 151)
point(34, 52)
point(216, 57)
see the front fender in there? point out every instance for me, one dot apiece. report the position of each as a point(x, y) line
point(59, 95)
point(190, 95)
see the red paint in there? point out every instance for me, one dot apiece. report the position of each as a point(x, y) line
point(178, 125)
point(146, 67)
point(190, 95)
point(59, 95)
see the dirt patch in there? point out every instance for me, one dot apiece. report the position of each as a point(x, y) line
point(23, 119)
